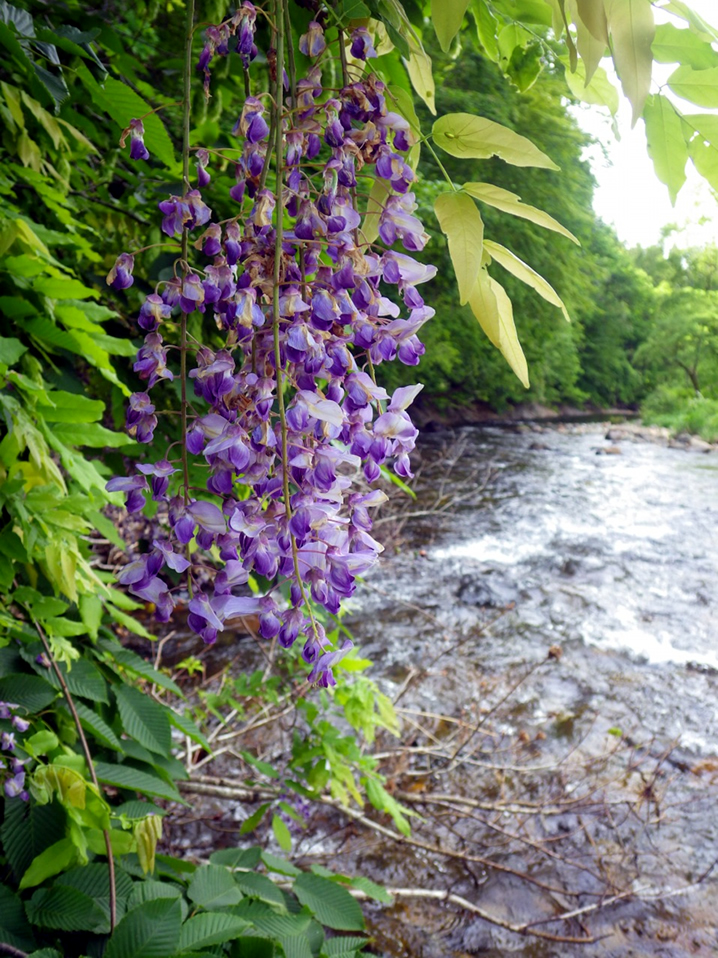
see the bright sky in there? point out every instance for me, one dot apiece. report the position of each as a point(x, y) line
point(629, 196)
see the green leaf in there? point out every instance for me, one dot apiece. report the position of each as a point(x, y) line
point(632, 28)
point(11, 350)
point(29, 691)
point(65, 909)
point(667, 145)
point(591, 48)
point(697, 86)
point(509, 202)
point(82, 679)
point(123, 776)
point(492, 307)
point(151, 930)
point(378, 195)
point(282, 834)
point(241, 858)
point(372, 889)
point(150, 890)
point(342, 947)
point(697, 23)
point(418, 66)
point(331, 903)
point(463, 227)
point(447, 17)
point(593, 16)
point(212, 886)
point(136, 664)
point(70, 407)
point(29, 829)
point(599, 92)
point(468, 136)
point(58, 287)
point(261, 887)
point(672, 45)
point(280, 865)
point(249, 824)
point(91, 434)
point(53, 860)
point(511, 262)
point(186, 725)
point(123, 105)
point(211, 928)
point(41, 742)
point(144, 719)
point(93, 880)
point(14, 927)
point(96, 726)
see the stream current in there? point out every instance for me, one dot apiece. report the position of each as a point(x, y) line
point(557, 541)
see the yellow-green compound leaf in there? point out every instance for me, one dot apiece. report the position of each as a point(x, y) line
point(697, 23)
point(667, 145)
point(486, 29)
point(592, 14)
point(512, 264)
point(492, 307)
point(463, 227)
point(474, 137)
point(599, 92)
point(418, 67)
point(509, 202)
point(672, 45)
point(632, 29)
point(282, 834)
point(705, 160)
point(447, 17)
point(697, 86)
point(590, 49)
point(378, 196)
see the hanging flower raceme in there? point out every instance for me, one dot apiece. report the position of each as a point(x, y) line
point(136, 133)
point(286, 499)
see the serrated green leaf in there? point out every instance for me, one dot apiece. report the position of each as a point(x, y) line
point(151, 930)
point(82, 679)
point(139, 666)
point(344, 946)
point(29, 691)
point(461, 223)
point(331, 903)
point(667, 145)
point(96, 726)
point(123, 776)
point(186, 725)
point(65, 909)
point(123, 105)
point(240, 858)
point(468, 136)
point(261, 887)
point(28, 830)
point(280, 865)
point(93, 880)
point(632, 28)
point(211, 928)
point(11, 350)
point(212, 886)
point(14, 927)
point(144, 719)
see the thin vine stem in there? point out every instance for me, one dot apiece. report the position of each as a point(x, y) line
point(184, 264)
point(88, 759)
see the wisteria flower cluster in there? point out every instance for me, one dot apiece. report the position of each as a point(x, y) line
point(11, 767)
point(291, 425)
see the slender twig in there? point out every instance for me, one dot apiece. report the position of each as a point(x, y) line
point(88, 759)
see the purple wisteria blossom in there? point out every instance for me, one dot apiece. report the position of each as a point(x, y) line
point(286, 499)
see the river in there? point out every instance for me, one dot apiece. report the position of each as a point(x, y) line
point(610, 559)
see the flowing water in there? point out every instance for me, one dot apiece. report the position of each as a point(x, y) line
point(614, 559)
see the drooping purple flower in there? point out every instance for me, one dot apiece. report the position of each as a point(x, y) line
point(152, 312)
point(151, 363)
point(312, 43)
point(141, 421)
point(362, 46)
point(120, 276)
point(203, 177)
point(160, 472)
point(15, 786)
point(133, 486)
